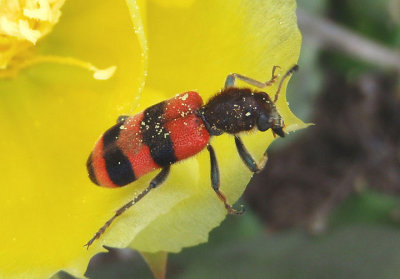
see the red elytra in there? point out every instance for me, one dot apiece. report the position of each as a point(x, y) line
point(173, 122)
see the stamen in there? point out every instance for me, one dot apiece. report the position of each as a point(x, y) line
point(99, 74)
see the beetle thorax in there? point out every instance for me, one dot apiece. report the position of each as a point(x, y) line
point(236, 110)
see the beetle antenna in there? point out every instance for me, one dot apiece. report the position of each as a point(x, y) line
point(288, 73)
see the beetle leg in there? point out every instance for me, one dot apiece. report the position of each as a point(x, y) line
point(230, 79)
point(288, 73)
point(157, 181)
point(215, 183)
point(247, 159)
point(122, 118)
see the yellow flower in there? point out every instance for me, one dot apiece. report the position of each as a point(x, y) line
point(51, 115)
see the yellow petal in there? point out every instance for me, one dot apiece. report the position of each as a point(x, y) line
point(51, 115)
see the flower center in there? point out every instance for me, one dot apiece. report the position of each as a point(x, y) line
point(23, 23)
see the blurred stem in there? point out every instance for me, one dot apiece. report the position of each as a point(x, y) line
point(332, 36)
point(157, 263)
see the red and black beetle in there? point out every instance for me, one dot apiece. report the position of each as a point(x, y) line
point(179, 128)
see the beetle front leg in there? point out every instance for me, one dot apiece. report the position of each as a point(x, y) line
point(230, 79)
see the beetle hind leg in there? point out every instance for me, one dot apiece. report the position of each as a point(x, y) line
point(154, 183)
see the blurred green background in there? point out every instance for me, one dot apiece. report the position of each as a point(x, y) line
point(327, 205)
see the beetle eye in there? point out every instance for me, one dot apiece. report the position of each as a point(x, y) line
point(263, 123)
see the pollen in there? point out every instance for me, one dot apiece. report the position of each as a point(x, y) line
point(184, 97)
point(23, 23)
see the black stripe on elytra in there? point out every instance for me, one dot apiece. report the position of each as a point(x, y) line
point(156, 137)
point(112, 134)
point(92, 175)
point(118, 167)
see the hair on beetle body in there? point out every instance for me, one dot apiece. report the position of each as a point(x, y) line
point(179, 128)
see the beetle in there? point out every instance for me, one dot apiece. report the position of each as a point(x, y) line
point(179, 128)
